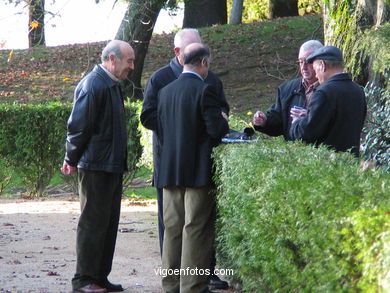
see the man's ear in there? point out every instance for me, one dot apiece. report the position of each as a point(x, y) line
point(323, 65)
point(177, 51)
point(112, 58)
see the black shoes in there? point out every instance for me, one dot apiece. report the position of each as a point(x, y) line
point(112, 287)
point(215, 283)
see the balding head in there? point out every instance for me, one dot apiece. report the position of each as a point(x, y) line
point(118, 58)
point(114, 47)
point(194, 54)
point(196, 58)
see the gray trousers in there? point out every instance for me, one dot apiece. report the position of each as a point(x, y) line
point(100, 200)
point(188, 239)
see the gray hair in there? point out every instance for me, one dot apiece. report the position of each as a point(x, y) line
point(334, 63)
point(112, 48)
point(182, 36)
point(311, 45)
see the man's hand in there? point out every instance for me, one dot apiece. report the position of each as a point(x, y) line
point(297, 114)
point(224, 115)
point(259, 119)
point(68, 169)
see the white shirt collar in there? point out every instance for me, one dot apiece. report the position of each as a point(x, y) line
point(195, 73)
point(113, 77)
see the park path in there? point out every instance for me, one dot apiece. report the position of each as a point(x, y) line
point(37, 246)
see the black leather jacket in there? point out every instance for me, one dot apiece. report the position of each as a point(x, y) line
point(290, 93)
point(97, 136)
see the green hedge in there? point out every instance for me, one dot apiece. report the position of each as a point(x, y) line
point(294, 218)
point(33, 138)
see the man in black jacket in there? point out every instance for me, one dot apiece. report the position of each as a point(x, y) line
point(96, 148)
point(156, 82)
point(296, 92)
point(190, 122)
point(337, 109)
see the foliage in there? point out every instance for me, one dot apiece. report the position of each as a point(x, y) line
point(365, 240)
point(364, 43)
point(134, 145)
point(376, 43)
point(284, 211)
point(6, 172)
point(255, 10)
point(33, 136)
point(32, 141)
point(376, 142)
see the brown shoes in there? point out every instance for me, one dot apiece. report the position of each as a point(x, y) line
point(91, 288)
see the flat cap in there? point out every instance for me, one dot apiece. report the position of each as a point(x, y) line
point(326, 53)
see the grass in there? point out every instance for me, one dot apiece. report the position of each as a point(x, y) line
point(251, 60)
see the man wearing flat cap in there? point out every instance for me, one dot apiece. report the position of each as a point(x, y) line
point(337, 109)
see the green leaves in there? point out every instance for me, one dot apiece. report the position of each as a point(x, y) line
point(33, 139)
point(282, 208)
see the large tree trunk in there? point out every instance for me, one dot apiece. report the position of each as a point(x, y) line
point(374, 12)
point(137, 28)
point(36, 23)
point(236, 12)
point(282, 8)
point(343, 31)
point(203, 13)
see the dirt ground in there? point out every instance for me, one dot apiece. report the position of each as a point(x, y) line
point(37, 246)
point(38, 238)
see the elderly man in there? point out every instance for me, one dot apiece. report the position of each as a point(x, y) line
point(96, 148)
point(337, 109)
point(156, 82)
point(296, 92)
point(190, 122)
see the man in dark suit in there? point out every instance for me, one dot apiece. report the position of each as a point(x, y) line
point(190, 122)
point(337, 109)
point(156, 82)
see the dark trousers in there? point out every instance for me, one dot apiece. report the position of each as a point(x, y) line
point(160, 217)
point(161, 226)
point(100, 200)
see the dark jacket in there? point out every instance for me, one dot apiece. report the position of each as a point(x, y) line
point(190, 124)
point(156, 82)
point(97, 136)
point(290, 93)
point(165, 76)
point(335, 116)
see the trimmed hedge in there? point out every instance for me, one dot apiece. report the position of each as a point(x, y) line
point(33, 138)
point(294, 218)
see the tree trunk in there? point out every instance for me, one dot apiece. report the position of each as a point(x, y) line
point(236, 12)
point(374, 12)
point(282, 8)
point(36, 23)
point(203, 13)
point(137, 28)
point(345, 23)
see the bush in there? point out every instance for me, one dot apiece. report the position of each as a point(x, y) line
point(376, 141)
point(33, 138)
point(284, 211)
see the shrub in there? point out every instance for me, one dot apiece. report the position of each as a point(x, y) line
point(376, 141)
point(284, 211)
point(6, 172)
point(134, 146)
point(33, 138)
